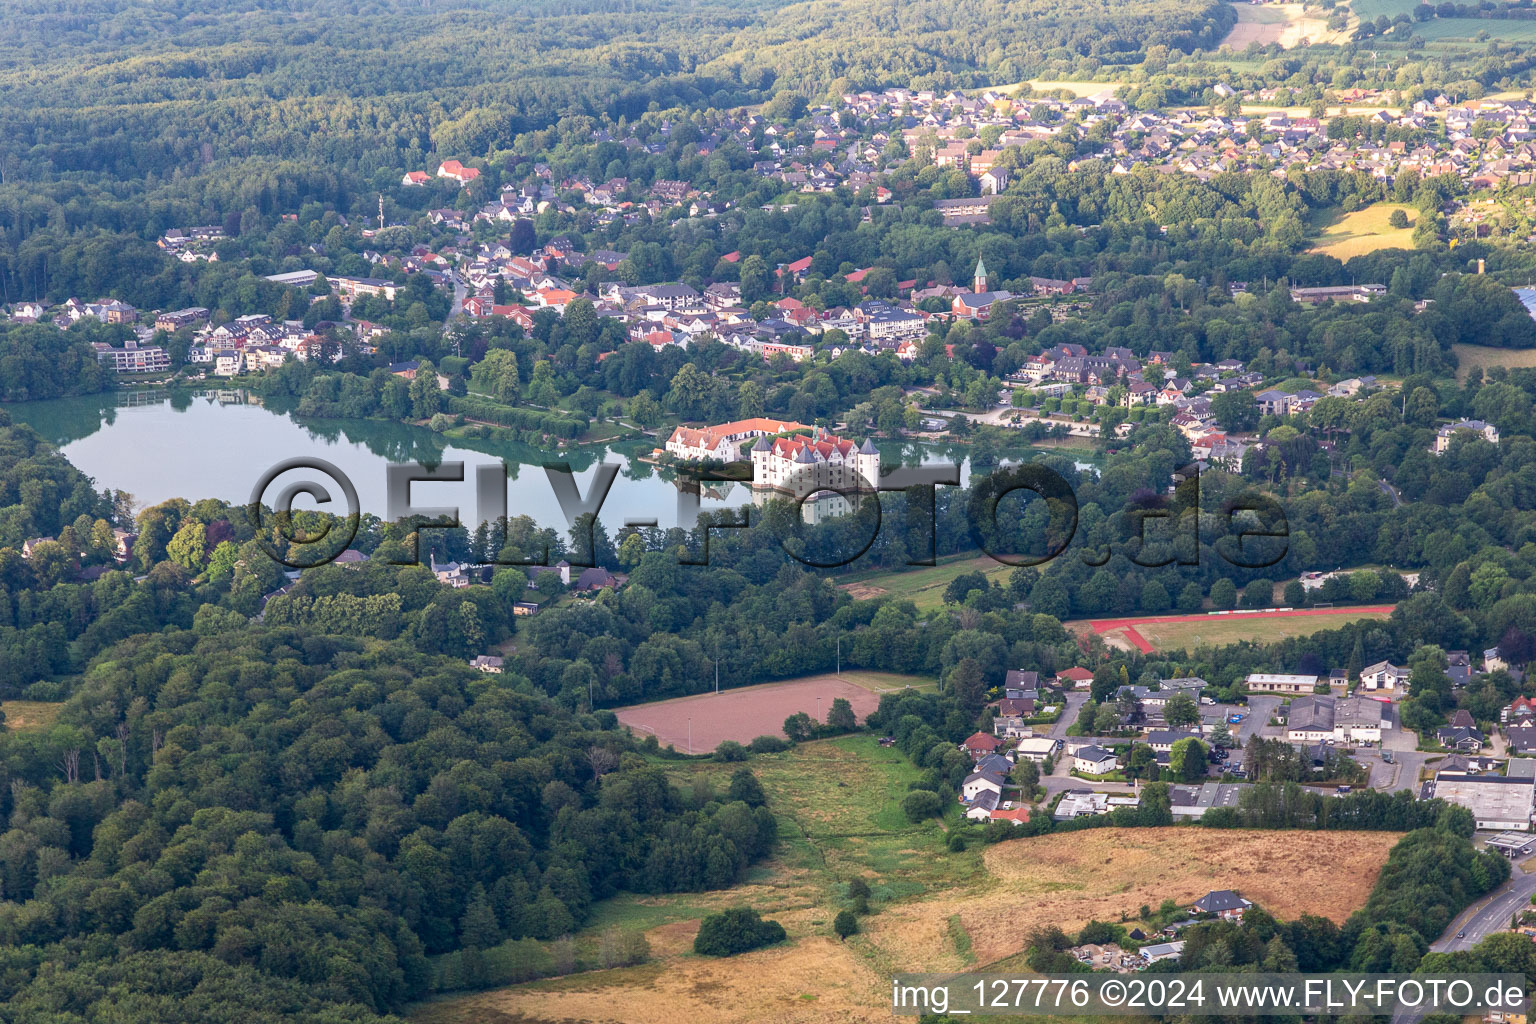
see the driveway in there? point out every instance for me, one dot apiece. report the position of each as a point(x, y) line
point(1075, 701)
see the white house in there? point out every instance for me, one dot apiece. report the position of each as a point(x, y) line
point(1444, 434)
point(982, 807)
point(1384, 676)
point(1035, 748)
point(978, 783)
point(1094, 760)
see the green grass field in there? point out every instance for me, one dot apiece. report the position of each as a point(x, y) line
point(923, 586)
point(1370, 10)
point(1508, 30)
point(883, 682)
point(29, 715)
point(1232, 629)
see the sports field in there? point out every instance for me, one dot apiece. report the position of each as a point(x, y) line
point(699, 723)
point(1172, 632)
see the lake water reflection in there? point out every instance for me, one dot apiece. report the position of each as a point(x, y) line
point(162, 444)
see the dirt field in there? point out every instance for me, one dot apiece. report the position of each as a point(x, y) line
point(1367, 230)
point(745, 713)
point(1166, 632)
point(1065, 879)
point(1285, 24)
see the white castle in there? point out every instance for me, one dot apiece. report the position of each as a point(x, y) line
point(801, 465)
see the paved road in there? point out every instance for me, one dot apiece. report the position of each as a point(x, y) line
point(1486, 917)
point(460, 293)
point(1391, 493)
point(1489, 915)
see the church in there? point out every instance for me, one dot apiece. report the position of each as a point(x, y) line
point(977, 303)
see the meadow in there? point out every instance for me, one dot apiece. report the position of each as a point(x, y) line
point(1468, 356)
point(1286, 24)
point(29, 715)
point(923, 586)
point(974, 913)
point(1346, 235)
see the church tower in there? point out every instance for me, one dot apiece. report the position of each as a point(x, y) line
point(979, 286)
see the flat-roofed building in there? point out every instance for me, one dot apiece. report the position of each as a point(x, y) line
point(1271, 682)
point(1036, 748)
point(1496, 802)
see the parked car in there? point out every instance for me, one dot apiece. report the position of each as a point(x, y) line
point(1235, 718)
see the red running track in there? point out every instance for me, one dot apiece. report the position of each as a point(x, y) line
point(1129, 625)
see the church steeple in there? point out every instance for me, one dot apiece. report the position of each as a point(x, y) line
point(980, 284)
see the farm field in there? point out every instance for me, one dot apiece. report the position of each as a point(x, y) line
point(747, 712)
point(1286, 24)
point(1171, 632)
point(1366, 230)
point(1078, 89)
point(1016, 886)
point(1508, 30)
point(924, 586)
point(1468, 356)
point(1370, 10)
point(29, 715)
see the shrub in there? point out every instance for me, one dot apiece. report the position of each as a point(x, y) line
point(730, 750)
point(845, 924)
point(957, 843)
point(920, 804)
point(1100, 933)
point(736, 931)
point(768, 745)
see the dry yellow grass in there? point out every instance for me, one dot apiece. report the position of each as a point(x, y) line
point(816, 979)
point(29, 715)
point(1065, 879)
point(1077, 89)
point(1468, 356)
point(1286, 24)
point(1363, 231)
point(1073, 878)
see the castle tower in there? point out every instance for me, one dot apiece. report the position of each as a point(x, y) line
point(869, 463)
point(760, 455)
point(980, 284)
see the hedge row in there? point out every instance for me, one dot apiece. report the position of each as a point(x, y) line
point(519, 419)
